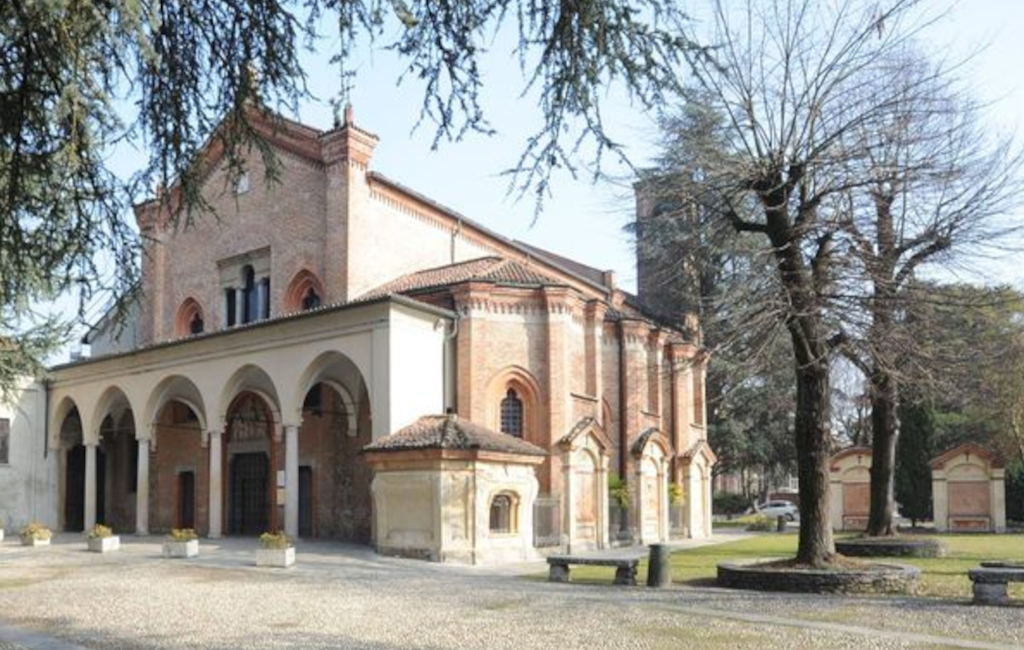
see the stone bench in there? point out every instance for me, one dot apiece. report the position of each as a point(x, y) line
point(991, 580)
point(625, 568)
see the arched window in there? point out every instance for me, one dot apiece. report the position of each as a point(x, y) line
point(305, 292)
point(311, 300)
point(512, 414)
point(503, 514)
point(189, 319)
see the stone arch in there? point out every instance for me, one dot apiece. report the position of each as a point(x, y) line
point(585, 485)
point(112, 401)
point(653, 452)
point(174, 388)
point(184, 320)
point(299, 290)
point(65, 408)
point(527, 389)
point(339, 372)
point(697, 463)
point(253, 379)
point(334, 499)
point(179, 468)
point(68, 441)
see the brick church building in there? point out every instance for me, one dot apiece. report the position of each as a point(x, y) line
point(338, 356)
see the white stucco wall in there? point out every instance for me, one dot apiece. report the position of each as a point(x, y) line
point(28, 480)
point(412, 365)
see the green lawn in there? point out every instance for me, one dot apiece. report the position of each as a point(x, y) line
point(945, 577)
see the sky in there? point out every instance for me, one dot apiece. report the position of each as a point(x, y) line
point(583, 219)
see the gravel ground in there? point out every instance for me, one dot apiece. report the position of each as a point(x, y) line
point(345, 597)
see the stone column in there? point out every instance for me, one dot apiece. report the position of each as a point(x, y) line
point(602, 503)
point(664, 524)
point(997, 497)
point(239, 306)
point(568, 502)
point(291, 480)
point(142, 490)
point(216, 485)
point(90, 485)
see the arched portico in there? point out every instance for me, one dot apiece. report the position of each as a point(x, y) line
point(69, 444)
point(333, 497)
point(180, 401)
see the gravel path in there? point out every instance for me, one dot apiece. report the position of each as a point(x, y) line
point(346, 597)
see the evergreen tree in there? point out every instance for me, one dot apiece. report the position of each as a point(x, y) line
point(913, 460)
point(175, 76)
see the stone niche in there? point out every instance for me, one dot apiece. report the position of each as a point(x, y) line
point(448, 490)
point(968, 490)
point(850, 489)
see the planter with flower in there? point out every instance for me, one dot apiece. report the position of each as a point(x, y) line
point(35, 534)
point(101, 539)
point(182, 542)
point(275, 550)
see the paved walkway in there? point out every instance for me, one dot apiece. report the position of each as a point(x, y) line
point(342, 596)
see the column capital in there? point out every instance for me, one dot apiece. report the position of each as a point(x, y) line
point(597, 309)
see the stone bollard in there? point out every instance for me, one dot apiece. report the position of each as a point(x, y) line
point(780, 524)
point(659, 568)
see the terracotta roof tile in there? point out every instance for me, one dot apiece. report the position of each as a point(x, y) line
point(485, 269)
point(451, 432)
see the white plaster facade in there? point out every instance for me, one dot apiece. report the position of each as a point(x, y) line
point(28, 477)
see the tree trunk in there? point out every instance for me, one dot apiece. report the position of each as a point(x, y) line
point(885, 433)
point(813, 438)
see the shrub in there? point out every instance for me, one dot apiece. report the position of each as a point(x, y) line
point(618, 490)
point(276, 540)
point(675, 493)
point(36, 531)
point(730, 504)
point(99, 531)
point(182, 535)
point(761, 523)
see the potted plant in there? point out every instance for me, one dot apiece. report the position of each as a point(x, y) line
point(182, 542)
point(101, 539)
point(35, 534)
point(275, 550)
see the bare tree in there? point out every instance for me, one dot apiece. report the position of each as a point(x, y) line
point(937, 187)
point(854, 162)
point(788, 78)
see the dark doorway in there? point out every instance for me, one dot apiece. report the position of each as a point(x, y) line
point(74, 490)
point(306, 502)
point(187, 500)
point(101, 486)
point(249, 498)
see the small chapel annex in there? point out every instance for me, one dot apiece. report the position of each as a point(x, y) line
point(338, 356)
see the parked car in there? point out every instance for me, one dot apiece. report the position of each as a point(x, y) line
point(778, 508)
